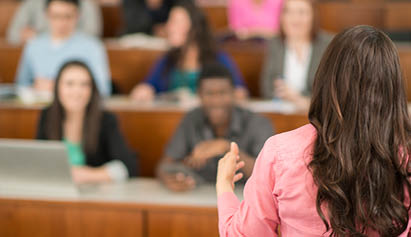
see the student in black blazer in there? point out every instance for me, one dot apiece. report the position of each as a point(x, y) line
point(97, 150)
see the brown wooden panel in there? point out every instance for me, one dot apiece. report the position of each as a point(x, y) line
point(405, 57)
point(249, 58)
point(9, 60)
point(113, 23)
point(104, 222)
point(29, 220)
point(7, 9)
point(148, 133)
point(336, 16)
point(362, 1)
point(130, 66)
point(397, 16)
point(217, 17)
point(18, 123)
point(284, 123)
point(44, 219)
point(182, 224)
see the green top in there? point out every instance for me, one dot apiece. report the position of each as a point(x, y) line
point(184, 79)
point(75, 153)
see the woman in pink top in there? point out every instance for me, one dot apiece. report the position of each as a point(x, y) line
point(254, 18)
point(344, 174)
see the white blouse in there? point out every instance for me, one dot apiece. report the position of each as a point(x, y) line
point(295, 70)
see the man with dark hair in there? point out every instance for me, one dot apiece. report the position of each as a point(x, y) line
point(205, 133)
point(30, 20)
point(43, 56)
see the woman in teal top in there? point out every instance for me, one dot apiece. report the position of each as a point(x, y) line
point(95, 146)
point(75, 153)
point(192, 46)
point(184, 79)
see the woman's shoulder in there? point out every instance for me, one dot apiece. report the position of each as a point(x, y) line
point(291, 144)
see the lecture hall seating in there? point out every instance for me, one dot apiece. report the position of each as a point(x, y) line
point(147, 130)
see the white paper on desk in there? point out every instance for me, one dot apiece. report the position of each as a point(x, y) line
point(140, 40)
point(7, 90)
point(29, 95)
point(278, 106)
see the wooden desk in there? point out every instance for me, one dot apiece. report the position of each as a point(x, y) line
point(138, 208)
point(147, 129)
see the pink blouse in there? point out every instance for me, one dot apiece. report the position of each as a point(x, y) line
point(245, 14)
point(280, 192)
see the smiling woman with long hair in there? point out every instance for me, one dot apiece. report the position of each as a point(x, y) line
point(347, 173)
point(96, 148)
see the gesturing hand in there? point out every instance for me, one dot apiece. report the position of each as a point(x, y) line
point(227, 169)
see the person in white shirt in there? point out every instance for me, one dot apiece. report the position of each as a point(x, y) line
point(294, 55)
point(30, 20)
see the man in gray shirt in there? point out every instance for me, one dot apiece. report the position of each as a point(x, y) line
point(205, 133)
point(30, 20)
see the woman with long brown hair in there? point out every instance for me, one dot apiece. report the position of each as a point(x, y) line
point(96, 148)
point(192, 46)
point(347, 173)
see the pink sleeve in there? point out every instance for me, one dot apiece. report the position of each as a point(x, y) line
point(257, 215)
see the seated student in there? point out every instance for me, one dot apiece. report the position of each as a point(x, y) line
point(293, 56)
point(347, 173)
point(30, 20)
point(44, 55)
point(146, 16)
point(205, 133)
point(96, 148)
point(192, 46)
point(254, 18)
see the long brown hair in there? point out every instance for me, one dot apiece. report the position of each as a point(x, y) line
point(360, 159)
point(200, 34)
point(92, 119)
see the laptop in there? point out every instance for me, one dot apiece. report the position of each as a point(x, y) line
point(31, 168)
